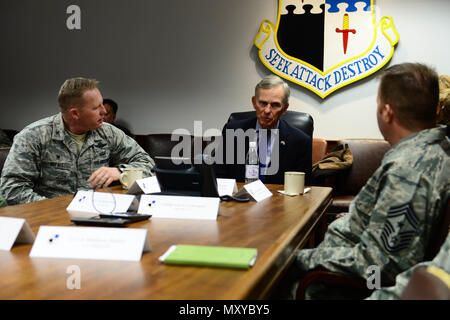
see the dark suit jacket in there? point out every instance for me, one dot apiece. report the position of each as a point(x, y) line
point(295, 150)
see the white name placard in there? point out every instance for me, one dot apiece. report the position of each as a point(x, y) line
point(90, 243)
point(146, 185)
point(226, 186)
point(90, 204)
point(14, 230)
point(179, 207)
point(257, 190)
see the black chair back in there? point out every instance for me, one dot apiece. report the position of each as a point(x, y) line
point(3, 154)
point(10, 133)
point(440, 233)
point(161, 144)
point(299, 120)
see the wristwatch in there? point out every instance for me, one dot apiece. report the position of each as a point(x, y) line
point(121, 167)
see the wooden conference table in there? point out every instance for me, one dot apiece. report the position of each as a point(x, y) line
point(275, 226)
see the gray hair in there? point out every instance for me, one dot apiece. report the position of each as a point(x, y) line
point(272, 81)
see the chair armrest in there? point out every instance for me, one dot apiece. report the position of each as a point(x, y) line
point(331, 278)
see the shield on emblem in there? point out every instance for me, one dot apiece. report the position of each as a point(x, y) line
point(325, 33)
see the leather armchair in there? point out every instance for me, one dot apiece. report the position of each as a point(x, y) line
point(299, 120)
point(319, 149)
point(161, 144)
point(367, 156)
point(3, 154)
point(10, 133)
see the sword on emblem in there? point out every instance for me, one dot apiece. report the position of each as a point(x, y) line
point(345, 30)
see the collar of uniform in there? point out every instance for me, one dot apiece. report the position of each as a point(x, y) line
point(59, 133)
point(418, 139)
point(58, 127)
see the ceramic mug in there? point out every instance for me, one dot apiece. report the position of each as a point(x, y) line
point(129, 176)
point(294, 182)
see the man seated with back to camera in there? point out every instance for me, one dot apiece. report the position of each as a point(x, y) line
point(71, 150)
point(281, 147)
point(111, 108)
point(390, 222)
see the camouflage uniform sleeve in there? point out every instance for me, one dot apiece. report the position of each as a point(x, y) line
point(442, 261)
point(20, 170)
point(127, 152)
point(386, 227)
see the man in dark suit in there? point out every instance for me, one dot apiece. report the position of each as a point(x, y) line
point(281, 147)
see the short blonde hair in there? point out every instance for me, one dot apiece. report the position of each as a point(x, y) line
point(73, 89)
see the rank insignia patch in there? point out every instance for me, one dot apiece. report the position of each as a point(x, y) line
point(400, 228)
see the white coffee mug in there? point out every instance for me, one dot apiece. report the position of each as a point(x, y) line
point(294, 182)
point(129, 176)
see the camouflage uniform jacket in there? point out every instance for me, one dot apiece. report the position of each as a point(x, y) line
point(44, 161)
point(391, 219)
point(441, 261)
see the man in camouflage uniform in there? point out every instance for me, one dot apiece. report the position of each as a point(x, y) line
point(71, 150)
point(440, 265)
point(390, 221)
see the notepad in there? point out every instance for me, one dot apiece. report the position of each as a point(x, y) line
point(210, 256)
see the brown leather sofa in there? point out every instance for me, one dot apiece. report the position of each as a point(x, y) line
point(319, 149)
point(367, 156)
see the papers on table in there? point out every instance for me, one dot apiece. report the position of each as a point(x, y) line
point(293, 195)
point(226, 186)
point(90, 204)
point(14, 230)
point(90, 243)
point(151, 185)
point(145, 186)
point(179, 207)
point(257, 190)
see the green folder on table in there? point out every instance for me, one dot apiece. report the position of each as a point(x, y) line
point(210, 256)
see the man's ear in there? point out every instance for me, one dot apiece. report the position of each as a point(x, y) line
point(254, 102)
point(285, 108)
point(74, 113)
point(388, 113)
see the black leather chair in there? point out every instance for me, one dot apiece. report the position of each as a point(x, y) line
point(10, 133)
point(299, 120)
point(3, 154)
point(161, 144)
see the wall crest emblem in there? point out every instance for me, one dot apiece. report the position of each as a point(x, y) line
point(324, 45)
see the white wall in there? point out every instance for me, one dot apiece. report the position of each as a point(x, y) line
point(169, 63)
